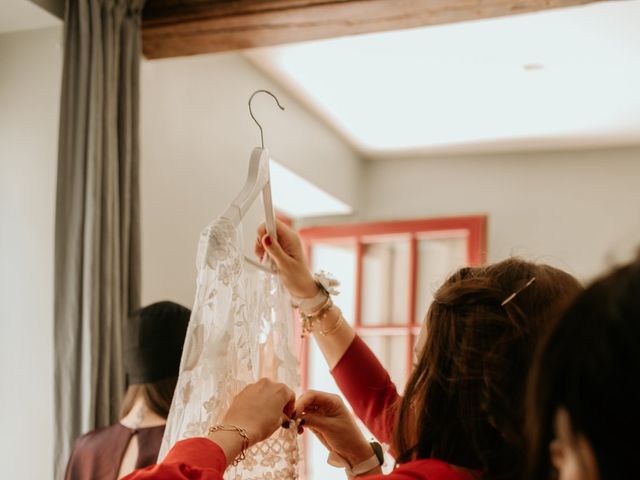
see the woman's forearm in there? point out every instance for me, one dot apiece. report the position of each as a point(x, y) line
point(333, 335)
point(229, 442)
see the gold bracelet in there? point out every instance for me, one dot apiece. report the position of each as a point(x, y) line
point(320, 310)
point(240, 431)
point(308, 320)
point(335, 327)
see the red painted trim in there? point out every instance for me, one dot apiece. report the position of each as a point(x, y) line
point(477, 242)
point(415, 330)
point(357, 314)
point(473, 224)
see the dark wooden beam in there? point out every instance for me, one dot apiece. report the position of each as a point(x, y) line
point(172, 28)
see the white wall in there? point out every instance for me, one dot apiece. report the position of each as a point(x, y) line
point(55, 7)
point(196, 140)
point(577, 210)
point(30, 70)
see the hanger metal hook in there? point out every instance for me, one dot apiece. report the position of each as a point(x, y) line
point(254, 118)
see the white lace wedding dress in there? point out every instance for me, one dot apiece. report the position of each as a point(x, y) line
point(241, 329)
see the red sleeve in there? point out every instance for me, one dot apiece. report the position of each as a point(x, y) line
point(426, 468)
point(191, 459)
point(369, 389)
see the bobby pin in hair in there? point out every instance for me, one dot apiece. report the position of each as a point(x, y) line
point(515, 294)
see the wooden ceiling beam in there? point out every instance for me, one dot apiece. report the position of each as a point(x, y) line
point(172, 28)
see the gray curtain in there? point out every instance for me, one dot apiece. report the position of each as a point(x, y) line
point(97, 250)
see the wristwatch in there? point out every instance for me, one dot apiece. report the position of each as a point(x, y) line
point(377, 459)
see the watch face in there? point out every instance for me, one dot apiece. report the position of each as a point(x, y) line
point(377, 448)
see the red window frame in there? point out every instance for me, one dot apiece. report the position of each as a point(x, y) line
point(473, 227)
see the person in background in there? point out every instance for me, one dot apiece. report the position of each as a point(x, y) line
point(153, 341)
point(584, 410)
point(462, 414)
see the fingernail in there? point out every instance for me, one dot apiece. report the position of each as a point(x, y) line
point(267, 241)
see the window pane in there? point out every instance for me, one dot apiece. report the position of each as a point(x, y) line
point(391, 350)
point(315, 453)
point(340, 261)
point(438, 258)
point(385, 283)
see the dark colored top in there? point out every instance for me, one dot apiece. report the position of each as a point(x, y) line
point(97, 455)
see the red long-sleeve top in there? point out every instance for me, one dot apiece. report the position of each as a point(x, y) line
point(371, 393)
point(202, 459)
point(369, 389)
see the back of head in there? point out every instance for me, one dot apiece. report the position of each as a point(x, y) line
point(153, 341)
point(467, 390)
point(589, 365)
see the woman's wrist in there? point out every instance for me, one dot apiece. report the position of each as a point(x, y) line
point(359, 453)
point(230, 442)
point(307, 288)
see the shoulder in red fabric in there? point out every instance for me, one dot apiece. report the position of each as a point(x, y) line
point(427, 469)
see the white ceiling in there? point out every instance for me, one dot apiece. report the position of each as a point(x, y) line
point(551, 80)
point(16, 15)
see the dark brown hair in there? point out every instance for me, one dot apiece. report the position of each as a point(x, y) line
point(464, 401)
point(589, 365)
point(157, 396)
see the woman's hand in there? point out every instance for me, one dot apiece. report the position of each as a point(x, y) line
point(286, 251)
point(260, 408)
point(327, 417)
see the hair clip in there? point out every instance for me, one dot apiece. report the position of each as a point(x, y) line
point(517, 292)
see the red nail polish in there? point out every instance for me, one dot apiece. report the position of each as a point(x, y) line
point(267, 241)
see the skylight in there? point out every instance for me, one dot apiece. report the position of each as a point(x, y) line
point(567, 76)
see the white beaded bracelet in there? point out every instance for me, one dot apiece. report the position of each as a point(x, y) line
point(327, 286)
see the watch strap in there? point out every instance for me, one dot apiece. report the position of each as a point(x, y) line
point(363, 467)
point(375, 460)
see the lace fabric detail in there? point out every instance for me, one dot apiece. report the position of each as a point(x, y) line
point(241, 329)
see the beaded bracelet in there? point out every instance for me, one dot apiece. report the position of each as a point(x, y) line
point(309, 319)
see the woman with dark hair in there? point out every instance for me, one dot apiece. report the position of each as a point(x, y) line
point(461, 417)
point(153, 340)
point(584, 403)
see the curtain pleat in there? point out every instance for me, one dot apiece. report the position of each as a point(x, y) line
point(97, 264)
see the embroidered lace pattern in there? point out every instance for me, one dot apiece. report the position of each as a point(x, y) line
point(241, 329)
